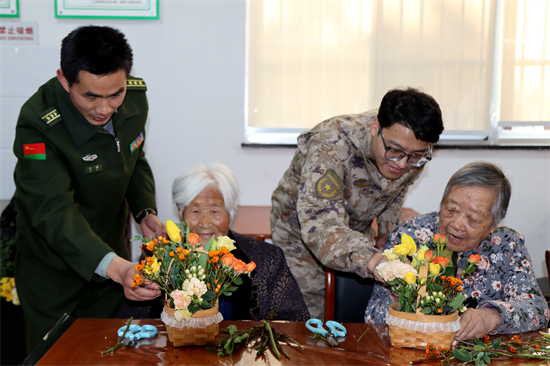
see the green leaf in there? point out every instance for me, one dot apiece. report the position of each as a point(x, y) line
point(487, 359)
point(209, 295)
point(238, 281)
point(477, 341)
point(456, 302)
point(427, 310)
point(496, 343)
point(478, 347)
point(231, 289)
point(462, 355)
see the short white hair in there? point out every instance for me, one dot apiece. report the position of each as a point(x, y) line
point(199, 177)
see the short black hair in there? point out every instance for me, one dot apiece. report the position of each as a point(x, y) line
point(413, 109)
point(98, 50)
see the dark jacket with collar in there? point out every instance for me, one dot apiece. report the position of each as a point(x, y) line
point(72, 202)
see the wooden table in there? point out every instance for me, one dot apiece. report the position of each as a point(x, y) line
point(84, 340)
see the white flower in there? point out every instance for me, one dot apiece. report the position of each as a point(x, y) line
point(196, 287)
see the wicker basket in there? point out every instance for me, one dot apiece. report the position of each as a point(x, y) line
point(188, 336)
point(416, 339)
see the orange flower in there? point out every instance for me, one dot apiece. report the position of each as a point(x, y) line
point(440, 310)
point(437, 238)
point(179, 250)
point(138, 267)
point(459, 288)
point(228, 259)
point(215, 259)
point(137, 279)
point(441, 260)
point(474, 258)
point(536, 346)
point(239, 266)
point(512, 349)
point(193, 239)
point(250, 267)
point(443, 277)
point(149, 260)
point(181, 256)
point(150, 246)
point(171, 254)
point(224, 250)
point(487, 337)
point(429, 255)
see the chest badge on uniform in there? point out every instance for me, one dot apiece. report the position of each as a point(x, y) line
point(89, 157)
point(361, 183)
point(329, 185)
point(136, 143)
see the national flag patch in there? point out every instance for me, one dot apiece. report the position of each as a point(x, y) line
point(35, 151)
point(136, 143)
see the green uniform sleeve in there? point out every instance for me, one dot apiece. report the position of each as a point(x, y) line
point(141, 190)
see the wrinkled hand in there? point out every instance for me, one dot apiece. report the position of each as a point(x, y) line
point(122, 271)
point(477, 322)
point(151, 225)
point(374, 261)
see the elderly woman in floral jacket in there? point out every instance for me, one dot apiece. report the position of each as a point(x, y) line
point(503, 294)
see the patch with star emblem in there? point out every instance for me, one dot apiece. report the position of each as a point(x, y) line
point(329, 185)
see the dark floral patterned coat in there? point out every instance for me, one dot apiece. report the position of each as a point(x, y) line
point(273, 288)
point(504, 277)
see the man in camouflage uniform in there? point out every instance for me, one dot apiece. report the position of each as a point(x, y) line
point(346, 172)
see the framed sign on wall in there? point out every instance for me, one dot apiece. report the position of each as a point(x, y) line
point(120, 9)
point(9, 8)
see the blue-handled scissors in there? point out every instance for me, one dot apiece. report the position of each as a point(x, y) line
point(136, 332)
point(335, 330)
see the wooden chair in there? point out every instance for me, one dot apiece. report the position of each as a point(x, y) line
point(339, 305)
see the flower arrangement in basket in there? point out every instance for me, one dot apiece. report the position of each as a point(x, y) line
point(429, 296)
point(193, 276)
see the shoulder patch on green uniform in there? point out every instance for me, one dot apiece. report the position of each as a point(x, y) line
point(51, 117)
point(136, 84)
point(329, 185)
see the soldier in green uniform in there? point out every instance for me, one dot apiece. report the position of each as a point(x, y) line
point(347, 171)
point(79, 144)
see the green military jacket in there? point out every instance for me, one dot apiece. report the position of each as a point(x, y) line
point(72, 179)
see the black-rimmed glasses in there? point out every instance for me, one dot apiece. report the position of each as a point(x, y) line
point(412, 159)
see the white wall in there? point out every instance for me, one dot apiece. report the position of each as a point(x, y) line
point(193, 61)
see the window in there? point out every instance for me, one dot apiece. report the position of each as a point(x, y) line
point(487, 64)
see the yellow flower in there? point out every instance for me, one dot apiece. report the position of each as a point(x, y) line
point(390, 254)
point(420, 255)
point(152, 267)
point(406, 239)
point(401, 249)
point(434, 269)
point(223, 241)
point(410, 278)
point(183, 314)
point(173, 231)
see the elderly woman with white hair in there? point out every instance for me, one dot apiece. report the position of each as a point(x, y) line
point(503, 294)
point(207, 197)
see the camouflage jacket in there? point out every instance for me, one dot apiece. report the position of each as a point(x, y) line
point(328, 198)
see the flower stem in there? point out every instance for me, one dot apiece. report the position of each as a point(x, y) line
point(113, 349)
point(273, 343)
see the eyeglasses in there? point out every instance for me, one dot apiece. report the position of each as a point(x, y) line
point(412, 159)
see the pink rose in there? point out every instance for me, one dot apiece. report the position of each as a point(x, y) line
point(181, 300)
point(496, 240)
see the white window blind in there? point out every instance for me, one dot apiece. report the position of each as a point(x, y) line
point(485, 62)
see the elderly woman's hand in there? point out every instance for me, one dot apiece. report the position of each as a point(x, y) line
point(477, 322)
